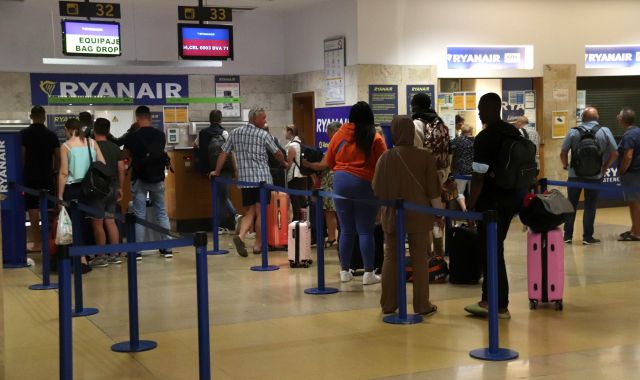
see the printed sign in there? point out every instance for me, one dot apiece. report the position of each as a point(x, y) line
point(559, 125)
point(413, 89)
point(56, 124)
point(91, 38)
point(326, 116)
point(4, 181)
point(140, 89)
point(611, 56)
point(490, 57)
point(334, 61)
point(383, 99)
point(228, 86)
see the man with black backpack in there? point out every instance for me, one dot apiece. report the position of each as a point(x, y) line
point(148, 161)
point(593, 150)
point(208, 147)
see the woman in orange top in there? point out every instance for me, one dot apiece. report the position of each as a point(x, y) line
point(352, 154)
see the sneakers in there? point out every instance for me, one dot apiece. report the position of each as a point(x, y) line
point(168, 254)
point(238, 219)
point(223, 231)
point(567, 241)
point(345, 276)
point(138, 257)
point(479, 309)
point(99, 262)
point(240, 247)
point(114, 259)
point(590, 241)
point(370, 278)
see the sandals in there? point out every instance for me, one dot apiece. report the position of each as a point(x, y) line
point(628, 237)
point(430, 312)
point(329, 243)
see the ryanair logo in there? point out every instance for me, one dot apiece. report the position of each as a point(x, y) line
point(47, 86)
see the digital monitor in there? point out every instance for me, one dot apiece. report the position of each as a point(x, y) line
point(91, 38)
point(212, 42)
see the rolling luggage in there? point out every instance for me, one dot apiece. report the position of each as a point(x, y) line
point(545, 267)
point(464, 259)
point(356, 259)
point(299, 245)
point(277, 220)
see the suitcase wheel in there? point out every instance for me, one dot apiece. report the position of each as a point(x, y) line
point(558, 305)
point(533, 304)
point(291, 264)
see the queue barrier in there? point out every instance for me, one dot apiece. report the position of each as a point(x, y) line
point(72, 253)
point(494, 352)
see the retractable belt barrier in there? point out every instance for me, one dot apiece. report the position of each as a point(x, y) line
point(493, 352)
point(68, 253)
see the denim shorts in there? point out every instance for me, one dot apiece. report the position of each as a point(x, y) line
point(631, 180)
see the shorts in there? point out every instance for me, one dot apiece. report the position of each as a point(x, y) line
point(32, 202)
point(631, 180)
point(251, 196)
point(108, 205)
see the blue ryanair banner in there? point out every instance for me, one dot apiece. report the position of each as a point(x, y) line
point(611, 56)
point(107, 89)
point(326, 116)
point(490, 57)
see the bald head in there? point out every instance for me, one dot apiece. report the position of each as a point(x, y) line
point(590, 114)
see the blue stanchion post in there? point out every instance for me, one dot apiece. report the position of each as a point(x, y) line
point(44, 242)
point(134, 344)
point(265, 267)
point(493, 352)
point(321, 289)
point(202, 284)
point(214, 220)
point(401, 318)
point(79, 309)
point(64, 313)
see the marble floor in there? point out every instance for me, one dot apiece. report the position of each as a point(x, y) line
point(265, 327)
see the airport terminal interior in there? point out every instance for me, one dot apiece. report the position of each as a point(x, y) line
point(306, 62)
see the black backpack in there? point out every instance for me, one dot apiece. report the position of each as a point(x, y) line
point(516, 168)
point(96, 184)
point(150, 167)
point(586, 160)
point(214, 148)
point(310, 154)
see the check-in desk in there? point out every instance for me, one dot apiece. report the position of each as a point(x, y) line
point(188, 193)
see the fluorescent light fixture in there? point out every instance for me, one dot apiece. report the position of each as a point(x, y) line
point(118, 62)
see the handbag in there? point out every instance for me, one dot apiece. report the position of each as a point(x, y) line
point(96, 184)
point(544, 212)
point(449, 190)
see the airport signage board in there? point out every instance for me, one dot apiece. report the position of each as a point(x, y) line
point(611, 56)
point(113, 89)
point(87, 9)
point(324, 117)
point(490, 57)
point(220, 14)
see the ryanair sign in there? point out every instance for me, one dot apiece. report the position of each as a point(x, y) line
point(141, 89)
point(490, 57)
point(611, 56)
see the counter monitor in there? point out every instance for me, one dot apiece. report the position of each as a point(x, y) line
point(91, 38)
point(208, 42)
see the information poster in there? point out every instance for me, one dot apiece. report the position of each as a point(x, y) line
point(157, 120)
point(559, 124)
point(175, 114)
point(56, 124)
point(458, 101)
point(413, 89)
point(470, 101)
point(383, 100)
point(449, 119)
point(516, 97)
point(120, 120)
point(445, 100)
point(529, 100)
point(334, 61)
point(326, 116)
point(228, 86)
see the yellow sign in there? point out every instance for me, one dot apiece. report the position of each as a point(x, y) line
point(559, 123)
point(470, 101)
point(176, 114)
point(458, 101)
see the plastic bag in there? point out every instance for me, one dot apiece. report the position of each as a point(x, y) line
point(64, 231)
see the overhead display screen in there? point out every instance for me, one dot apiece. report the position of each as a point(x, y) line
point(91, 38)
point(212, 42)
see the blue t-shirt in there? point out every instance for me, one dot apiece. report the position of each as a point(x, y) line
point(631, 140)
point(604, 139)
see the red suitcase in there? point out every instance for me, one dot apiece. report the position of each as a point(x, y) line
point(545, 267)
point(277, 220)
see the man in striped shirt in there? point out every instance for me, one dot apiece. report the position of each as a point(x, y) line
point(250, 144)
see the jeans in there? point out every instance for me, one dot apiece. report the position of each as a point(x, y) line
point(355, 217)
point(226, 211)
point(505, 215)
point(139, 190)
point(590, 202)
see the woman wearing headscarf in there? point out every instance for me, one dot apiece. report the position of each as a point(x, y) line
point(352, 155)
point(409, 173)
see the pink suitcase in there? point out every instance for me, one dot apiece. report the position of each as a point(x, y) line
point(277, 218)
point(299, 247)
point(545, 267)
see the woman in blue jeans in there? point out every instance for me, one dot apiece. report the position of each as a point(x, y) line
point(352, 154)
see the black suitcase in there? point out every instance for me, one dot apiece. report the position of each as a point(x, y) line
point(357, 267)
point(464, 259)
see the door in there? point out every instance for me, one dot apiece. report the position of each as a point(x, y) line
point(303, 116)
